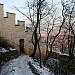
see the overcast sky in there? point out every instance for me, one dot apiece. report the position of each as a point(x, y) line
point(18, 3)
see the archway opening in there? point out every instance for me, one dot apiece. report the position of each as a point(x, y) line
point(21, 41)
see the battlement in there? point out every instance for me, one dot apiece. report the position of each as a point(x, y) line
point(1, 10)
point(14, 32)
point(20, 23)
point(10, 15)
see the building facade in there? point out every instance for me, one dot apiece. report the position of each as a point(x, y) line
point(14, 33)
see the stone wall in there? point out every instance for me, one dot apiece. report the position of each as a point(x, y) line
point(14, 32)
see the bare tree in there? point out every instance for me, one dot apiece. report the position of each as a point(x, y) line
point(38, 10)
point(63, 43)
point(60, 28)
point(69, 7)
point(50, 23)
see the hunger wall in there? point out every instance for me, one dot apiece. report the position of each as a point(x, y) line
point(14, 32)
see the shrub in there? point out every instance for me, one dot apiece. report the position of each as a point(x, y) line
point(4, 43)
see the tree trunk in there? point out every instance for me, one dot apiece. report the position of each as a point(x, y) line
point(35, 44)
point(39, 55)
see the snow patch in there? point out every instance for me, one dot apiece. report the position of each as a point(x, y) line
point(40, 71)
point(64, 54)
point(3, 50)
point(11, 49)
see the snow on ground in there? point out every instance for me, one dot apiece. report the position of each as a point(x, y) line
point(43, 70)
point(19, 66)
point(3, 50)
point(12, 49)
point(16, 67)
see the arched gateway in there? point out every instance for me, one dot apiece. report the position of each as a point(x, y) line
point(21, 41)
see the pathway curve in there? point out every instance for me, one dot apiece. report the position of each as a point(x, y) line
point(17, 66)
